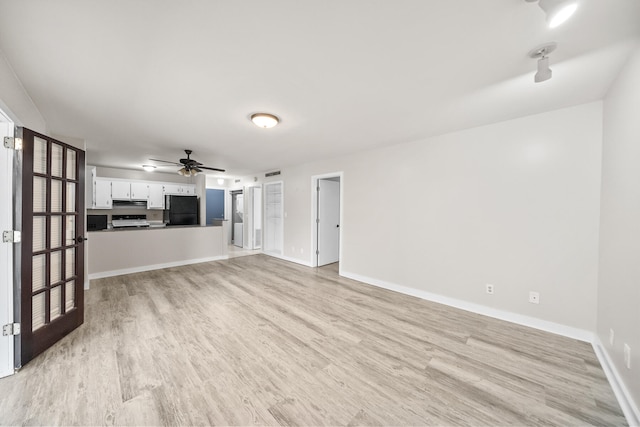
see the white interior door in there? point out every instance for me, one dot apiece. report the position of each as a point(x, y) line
point(328, 221)
point(6, 249)
point(273, 214)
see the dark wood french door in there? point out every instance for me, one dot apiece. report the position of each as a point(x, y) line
point(51, 259)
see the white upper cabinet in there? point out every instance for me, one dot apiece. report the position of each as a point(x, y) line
point(139, 191)
point(189, 190)
point(156, 197)
point(102, 194)
point(180, 189)
point(171, 189)
point(121, 190)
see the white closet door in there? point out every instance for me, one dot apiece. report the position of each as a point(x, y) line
point(273, 213)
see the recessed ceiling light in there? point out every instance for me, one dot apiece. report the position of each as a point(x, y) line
point(558, 11)
point(220, 181)
point(148, 168)
point(264, 120)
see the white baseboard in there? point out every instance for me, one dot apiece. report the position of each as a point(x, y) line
point(629, 407)
point(103, 274)
point(532, 322)
point(286, 258)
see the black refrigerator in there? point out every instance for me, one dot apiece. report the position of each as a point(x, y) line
point(181, 210)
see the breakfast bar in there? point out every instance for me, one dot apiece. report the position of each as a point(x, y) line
point(114, 252)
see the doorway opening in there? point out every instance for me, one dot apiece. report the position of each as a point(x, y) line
point(327, 218)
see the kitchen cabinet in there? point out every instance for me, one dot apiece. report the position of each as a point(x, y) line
point(121, 190)
point(156, 196)
point(139, 190)
point(102, 194)
point(180, 189)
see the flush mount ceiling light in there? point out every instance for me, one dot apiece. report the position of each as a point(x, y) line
point(148, 168)
point(558, 11)
point(540, 53)
point(264, 120)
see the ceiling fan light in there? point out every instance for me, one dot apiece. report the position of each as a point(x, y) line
point(264, 120)
point(148, 168)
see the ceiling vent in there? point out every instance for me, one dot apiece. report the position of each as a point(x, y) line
point(267, 175)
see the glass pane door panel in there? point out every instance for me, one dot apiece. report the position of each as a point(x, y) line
point(56, 160)
point(56, 231)
point(56, 195)
point(70, 295)
point(71, 164)
point(39, 156)
point(39, 194)
point(55, 263)
point(70, 230)
point(38, 272)
point(56, 302)
point(71, 197)
point(39, 233)
point(37, 311)
point(70, 261)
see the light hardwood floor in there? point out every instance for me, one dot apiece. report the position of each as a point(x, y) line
point(256, 340)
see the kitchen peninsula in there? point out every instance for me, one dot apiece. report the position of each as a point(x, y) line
point(122, 251)
point(116, 251)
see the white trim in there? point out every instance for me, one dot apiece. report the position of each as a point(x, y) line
point(532, 322)
point(629, 407)
point(103, 274)
point(286, 258)
point(6, 251)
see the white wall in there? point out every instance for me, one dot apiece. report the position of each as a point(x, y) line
point(619, 281)
point(15, 101)
point(514, 204)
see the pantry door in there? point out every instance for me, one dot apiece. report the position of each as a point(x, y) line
point(51, 258)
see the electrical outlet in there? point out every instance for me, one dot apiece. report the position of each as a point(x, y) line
point(489, 288)
point(627, 356)
point(612, 336)
point(534, 297)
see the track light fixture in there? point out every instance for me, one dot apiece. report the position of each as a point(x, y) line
point(558, 11)
point(541, 54)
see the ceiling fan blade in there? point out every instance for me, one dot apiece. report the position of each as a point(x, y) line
point(165, 161)
point(211, 169)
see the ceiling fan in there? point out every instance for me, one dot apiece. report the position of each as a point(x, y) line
point(190, 167)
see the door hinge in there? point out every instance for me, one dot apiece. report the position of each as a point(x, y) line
point(13, 143)
point(10, 329)
point(317, 252)
point(10, 236)
point(317, 220)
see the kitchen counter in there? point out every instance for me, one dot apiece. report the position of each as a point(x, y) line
point(113, 252)
point(152, 227)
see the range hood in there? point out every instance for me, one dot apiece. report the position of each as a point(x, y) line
point(130, 204)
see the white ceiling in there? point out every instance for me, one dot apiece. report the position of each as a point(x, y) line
point(140, 79)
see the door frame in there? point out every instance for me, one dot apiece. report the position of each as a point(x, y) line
point(6, 259)
point(314, 216)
